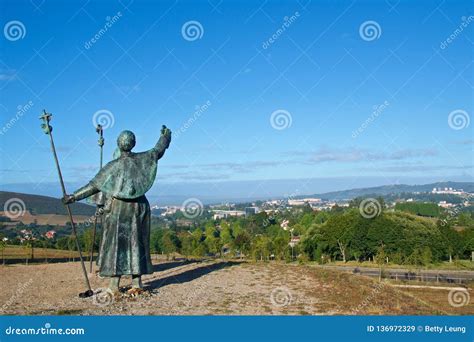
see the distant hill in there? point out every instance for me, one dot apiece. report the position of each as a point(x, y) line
point(49, 205)
point(391, 189)
point(37, 205)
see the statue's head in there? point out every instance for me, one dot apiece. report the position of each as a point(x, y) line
point(126, 141)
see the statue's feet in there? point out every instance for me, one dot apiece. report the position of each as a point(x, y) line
point(134, 292)
point(137, 282)
point(113, 290)
point(114, 284)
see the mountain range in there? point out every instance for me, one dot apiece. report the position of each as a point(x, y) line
point(391, 189)
point(37, 204)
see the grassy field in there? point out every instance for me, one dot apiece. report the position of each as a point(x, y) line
point(22, 252)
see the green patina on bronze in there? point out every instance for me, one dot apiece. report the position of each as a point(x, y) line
point(129, 176)
point(125, 247)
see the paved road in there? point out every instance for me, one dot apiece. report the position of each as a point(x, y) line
point(442, 276)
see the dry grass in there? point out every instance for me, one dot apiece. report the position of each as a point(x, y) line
point(23, 252)
point(438, 300)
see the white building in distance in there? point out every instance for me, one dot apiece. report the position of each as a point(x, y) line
point(220, 214)
point(447, 191)
point(303, 201)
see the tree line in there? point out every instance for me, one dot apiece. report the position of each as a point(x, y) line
point(400, 236)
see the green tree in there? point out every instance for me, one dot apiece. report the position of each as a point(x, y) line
point(199, 247)
point(226, 235)
point(280, 247)
point(71, 245)
point(380, 259)
point(186, 243)
point(3, 245)
point(87, 237)
point(212, 240)
point(261, 247)
point(169, 243)
point(28, 250)
point(426, 256)
point(452, 240)
point(418, 208)
point(242, 243)
point(156, 240)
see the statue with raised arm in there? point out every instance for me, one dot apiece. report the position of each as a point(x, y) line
point(125, 247)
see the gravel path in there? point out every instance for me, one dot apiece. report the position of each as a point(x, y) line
point(204, 288)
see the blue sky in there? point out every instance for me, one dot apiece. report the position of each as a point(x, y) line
point(321, 71)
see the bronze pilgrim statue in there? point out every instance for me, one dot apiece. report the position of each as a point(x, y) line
point(125, 246)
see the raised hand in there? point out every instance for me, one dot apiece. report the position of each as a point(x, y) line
point(166, 132)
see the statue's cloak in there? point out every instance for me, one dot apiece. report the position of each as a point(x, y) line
point(129, 176)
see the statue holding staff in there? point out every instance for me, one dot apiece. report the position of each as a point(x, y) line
point(125, 247)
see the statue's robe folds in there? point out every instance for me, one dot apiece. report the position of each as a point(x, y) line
point(125, 247)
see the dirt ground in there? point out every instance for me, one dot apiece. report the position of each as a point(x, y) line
point(217, 288)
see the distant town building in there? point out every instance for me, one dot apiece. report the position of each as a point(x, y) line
point(303, 201)
point(251, 211)
point(50, 234)
point(220, 214)
point(167, 210)
point(284, 224)
point(222, 205)
point(444, 204)
point(447, 191)
point(26, 234)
